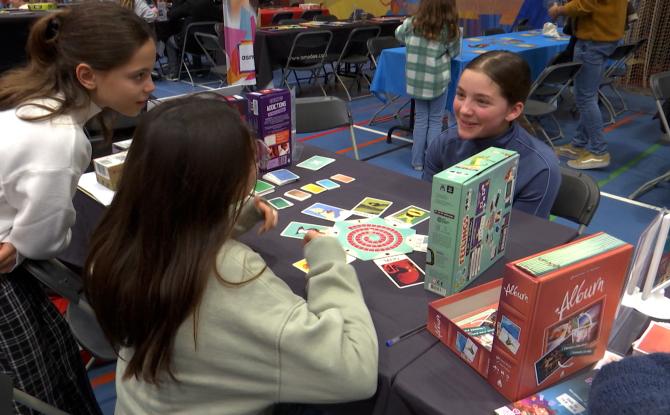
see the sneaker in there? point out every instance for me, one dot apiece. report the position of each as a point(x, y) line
point(569, 151)
point(590, 161)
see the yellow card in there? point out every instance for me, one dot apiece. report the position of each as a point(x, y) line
point(302, 265)
point(313, 188)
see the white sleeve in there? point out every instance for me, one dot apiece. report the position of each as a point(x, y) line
point(44, 211)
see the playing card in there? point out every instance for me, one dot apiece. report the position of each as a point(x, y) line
point(418, 242)
point(297, 194)
point(327, 184)
point(409, 216)
point(401, 270)
point(327, 212)
point(312, 188)
point(279, 203)
point(304, 267)
point(299, 229)
point(263, 188)
point(315, 162)
point(281, 177)
point(371, 207)
point(343, 178)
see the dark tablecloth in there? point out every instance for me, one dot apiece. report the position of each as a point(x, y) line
point(393, 310)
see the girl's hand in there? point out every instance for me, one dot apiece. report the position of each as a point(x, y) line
point(7, 257)
point(269, 213)
point(311, 234)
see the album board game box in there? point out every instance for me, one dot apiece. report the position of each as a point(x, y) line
point(269, 115)
point(470, 209)
point(549, 316)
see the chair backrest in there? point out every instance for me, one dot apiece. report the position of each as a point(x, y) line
point(578, 198)
point(621, 55)
point(309, 49)
point(190, 45)
point(325, 18)
point(211, 46)
point(321, 113)
point(560, 74)
point(291, 21)
point(494, 31)
point(377, 44)
point(357, 42)
point(281, 16)
point(660, 87)
point(311, 14)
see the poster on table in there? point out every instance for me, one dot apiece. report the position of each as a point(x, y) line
point(239, 23)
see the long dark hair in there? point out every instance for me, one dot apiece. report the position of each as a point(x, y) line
point(184, 180)
point(508, 70)
point(99, 33)
point(433, 16)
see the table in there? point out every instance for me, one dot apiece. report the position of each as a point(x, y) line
point(272, 47)
point(393, 310)
point(14, 30)
point(266, 14)
point(389, 76)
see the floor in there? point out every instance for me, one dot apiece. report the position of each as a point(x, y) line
point(637, 153)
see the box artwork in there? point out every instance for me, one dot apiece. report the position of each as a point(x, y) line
point(471, 204)
point(269, 116)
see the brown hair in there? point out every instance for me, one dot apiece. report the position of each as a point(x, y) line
point(434, 16)
point(99, 33)
point(184, 181)
point(508, 70)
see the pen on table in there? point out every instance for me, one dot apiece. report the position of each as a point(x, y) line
point(403, 336)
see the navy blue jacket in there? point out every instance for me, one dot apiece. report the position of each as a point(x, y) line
point(539, 175)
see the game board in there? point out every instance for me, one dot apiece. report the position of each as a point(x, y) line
point(368, 239)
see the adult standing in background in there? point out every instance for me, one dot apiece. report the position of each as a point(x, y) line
point(600, 25)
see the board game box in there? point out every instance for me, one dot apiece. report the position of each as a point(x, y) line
point(470, 211)
point(553, 315)
point(269, 115)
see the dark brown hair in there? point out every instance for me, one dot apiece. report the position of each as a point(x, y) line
point(433, 16)
point(508, 70)
point(184, 180)
point(100, 33)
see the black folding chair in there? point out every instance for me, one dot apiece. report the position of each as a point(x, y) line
point(375, 47)
point(307, 53)
point(212, 47)
point(578, 198)
point(314, 114)
point(191, 47)
point(621, 56)
point(355, 54)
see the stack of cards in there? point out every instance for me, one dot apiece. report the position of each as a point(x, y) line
point(281, 177)
point(263, 188)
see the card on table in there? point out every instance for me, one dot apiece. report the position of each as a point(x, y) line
point(418, 242)
point(263, 188)
point(401, 270)
point(279, 203)
point(313, 188)
point(371, 207)
point(409, 216)
point(327, 184)
point(327, 212)
point(299, 229)
point(281, 177)
point(297, 194)
point(304, 267)
point(342, 178)
point(315, 162)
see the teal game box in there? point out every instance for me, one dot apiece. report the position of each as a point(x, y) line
point(470, 211)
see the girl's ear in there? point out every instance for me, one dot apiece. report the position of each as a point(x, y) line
point(514, 112)
point(86, 76)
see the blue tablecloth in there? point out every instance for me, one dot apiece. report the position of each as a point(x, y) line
point(390, 73)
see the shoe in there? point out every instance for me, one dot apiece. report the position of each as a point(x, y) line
point(590, 161)
point(417, 168)
point(569, 151)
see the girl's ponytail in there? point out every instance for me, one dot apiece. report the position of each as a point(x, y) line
point(43, 40)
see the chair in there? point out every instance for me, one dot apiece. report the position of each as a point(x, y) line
point(212, 47)
point(375, 47)
point(355, 53)
point(324, 113)
point(578, 198)
point(8, 393)
point(560, 75)
point(281, 16)
point(190, 46)
point(79, 315)
point(291, 21)
point(494, 31)
point(660, 87)
point(308, 52)
point(325, 18)
point(311, 14)
point(621, 56)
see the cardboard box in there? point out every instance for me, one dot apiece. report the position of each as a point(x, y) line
point(269, 115)
point(470, 208)
point(108, 169)
point(120, 146)
point(554, 315)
